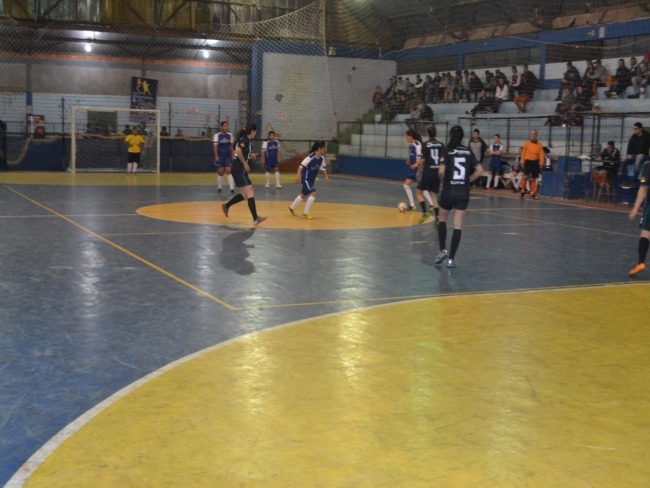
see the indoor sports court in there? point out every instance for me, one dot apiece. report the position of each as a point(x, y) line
point(147, 341)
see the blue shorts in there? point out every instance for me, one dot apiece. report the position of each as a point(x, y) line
point(270, 165)
point(412, 174)
point(495, 166)
point(224, 161)
point(307, 188)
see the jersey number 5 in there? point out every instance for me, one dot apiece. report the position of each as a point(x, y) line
point(459, 169)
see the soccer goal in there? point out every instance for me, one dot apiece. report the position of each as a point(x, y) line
point(97, 139)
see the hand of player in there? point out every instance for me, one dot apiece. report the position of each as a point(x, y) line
point(247, 167)
point(327, 178)
point(253, 156)
point(633, 213)
point(297, 179)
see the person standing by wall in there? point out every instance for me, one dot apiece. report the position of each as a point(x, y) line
point(637, 152)
point(223, 156)
point(135, 142)
point(533, 157)
point(271, 157)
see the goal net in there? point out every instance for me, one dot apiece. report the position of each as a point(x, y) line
point(98, 139)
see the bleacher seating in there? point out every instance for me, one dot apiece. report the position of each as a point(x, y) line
point(380, 140)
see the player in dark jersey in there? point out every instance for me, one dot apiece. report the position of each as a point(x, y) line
point(306, 174)
point(271, 156)
point(240, 168)
point(223, 156)
point(433, 152)
point(644, 239)
point(457, 171)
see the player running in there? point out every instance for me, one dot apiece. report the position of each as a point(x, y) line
point(644, 238)
point(433, 152)
point(271, 157)
point(306, 174)
point(240, 169)
point(223, 156)
point(457, 170)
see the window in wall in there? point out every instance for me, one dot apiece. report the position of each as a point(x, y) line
point(429, 65)
point(509, 57)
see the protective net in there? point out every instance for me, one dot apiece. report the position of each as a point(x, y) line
point(307, 70)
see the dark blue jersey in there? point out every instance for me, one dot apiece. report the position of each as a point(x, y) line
point(271, 148)
point(223, 141)
point(310, 167)
point(415, 151)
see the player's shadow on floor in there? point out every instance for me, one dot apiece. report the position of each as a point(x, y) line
point(234, 254)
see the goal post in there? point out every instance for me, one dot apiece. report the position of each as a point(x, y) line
point(97, 139)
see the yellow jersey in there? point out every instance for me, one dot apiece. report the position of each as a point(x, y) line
point(134, 142)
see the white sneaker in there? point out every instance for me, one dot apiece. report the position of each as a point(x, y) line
point(440, 257)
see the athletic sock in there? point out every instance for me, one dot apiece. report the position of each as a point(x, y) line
point(643, 249)
point(296, 202)
point(436, 211)
point(533, 186)
point(310, 200)
point(442, 235)
point(128, 167)
point(489, 180)
point(423, 206)
point(219, 181)
point(267, 178)
point(236, 199)
point(409, 195)
point(455, 240)
point(427, 197)
point(231, 182)
point(251, 206)
point(277, 178)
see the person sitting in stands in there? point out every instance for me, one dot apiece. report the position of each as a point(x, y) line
point(484, 105)
point(526, 90)
point(598, 77)
point(569, 80)
point(502, 94)
point(622, 79)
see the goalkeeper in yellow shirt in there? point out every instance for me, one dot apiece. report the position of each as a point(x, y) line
point(135, 141)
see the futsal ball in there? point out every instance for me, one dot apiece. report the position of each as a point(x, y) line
point(402, 206)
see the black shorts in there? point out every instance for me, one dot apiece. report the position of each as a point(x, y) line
point(531, 168)
point(240, 175)
point(430, 183)
point(450, 199)
point(134, 157)
point(645, 219)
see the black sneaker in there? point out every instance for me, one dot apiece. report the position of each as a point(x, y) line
point(535, 197)
point(523, 195)
point(224, 207)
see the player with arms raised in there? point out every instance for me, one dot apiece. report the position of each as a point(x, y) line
point(457, 171)
point(433, 152)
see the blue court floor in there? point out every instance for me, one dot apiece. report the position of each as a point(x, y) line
point(107, 280)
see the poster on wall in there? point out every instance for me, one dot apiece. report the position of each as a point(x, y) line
point(143, 93)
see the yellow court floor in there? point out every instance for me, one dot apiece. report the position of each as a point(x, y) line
point(460, 391)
